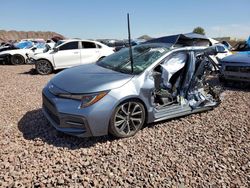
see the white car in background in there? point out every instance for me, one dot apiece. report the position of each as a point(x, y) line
point(222, 48)
point(220, 56)
point(20, 56)
point(69, 53)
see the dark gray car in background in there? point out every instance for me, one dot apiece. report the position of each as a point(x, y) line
point(235, 67)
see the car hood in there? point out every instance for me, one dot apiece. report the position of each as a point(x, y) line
point(15, 51)
point(237, 58)
point(47, 54)
point(89, 78)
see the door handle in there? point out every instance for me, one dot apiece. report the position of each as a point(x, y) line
point(76, 52)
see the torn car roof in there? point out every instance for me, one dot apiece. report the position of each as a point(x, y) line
point(188, 39)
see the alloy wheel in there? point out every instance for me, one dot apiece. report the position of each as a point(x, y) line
point(129, 118)
point(17, 60)
point(43, 67)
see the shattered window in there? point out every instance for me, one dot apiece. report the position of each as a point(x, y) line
point(143, 57)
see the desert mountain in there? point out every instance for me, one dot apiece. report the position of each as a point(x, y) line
point(145, 37)
point(18, 35)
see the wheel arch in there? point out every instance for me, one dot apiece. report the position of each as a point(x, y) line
point(111, 130)
point(101, 58)
point(10, 55)
point(135, 98)
point(37, 65)
point(46, 60)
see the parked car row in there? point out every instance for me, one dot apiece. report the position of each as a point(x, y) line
point(18, 53)
point(68, 53)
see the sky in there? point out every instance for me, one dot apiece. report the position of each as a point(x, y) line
point(98, 19)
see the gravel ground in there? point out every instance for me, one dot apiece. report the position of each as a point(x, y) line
point(211, 149)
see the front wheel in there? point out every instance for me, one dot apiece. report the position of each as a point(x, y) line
point(17, 59)
point(127, 119)
point(43, 67)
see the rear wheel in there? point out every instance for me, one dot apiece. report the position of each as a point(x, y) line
point(127, 119)
point(43, 67)
point(17, 59)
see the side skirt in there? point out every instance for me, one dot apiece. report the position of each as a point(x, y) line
point(177, 111)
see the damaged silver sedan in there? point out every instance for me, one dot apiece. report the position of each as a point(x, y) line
point(112, 97)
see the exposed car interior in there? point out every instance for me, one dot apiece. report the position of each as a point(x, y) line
point(188, 85)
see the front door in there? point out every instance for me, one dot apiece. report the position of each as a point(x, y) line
point(68, 55)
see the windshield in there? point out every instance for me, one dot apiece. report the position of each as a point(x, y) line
point(58, 43)
point(24, 44)
point(40, 45)
point(143, 57)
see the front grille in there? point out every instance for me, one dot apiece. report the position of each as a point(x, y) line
point(49, 107)
point(238, 69)
point(242, 78)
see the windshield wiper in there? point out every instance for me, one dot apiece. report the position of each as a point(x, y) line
point(125, 71)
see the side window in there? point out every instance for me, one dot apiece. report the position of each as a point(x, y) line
point(221, 48)
point(69, 46)
point(88, 45)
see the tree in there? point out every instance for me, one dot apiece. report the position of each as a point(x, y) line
point(199, 30)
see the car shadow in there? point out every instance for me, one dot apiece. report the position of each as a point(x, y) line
point(33, 71)
point(230, 85)
point(34, 126)
point(236, 86)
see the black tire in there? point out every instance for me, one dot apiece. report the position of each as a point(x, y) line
point(17, 59)
point(127, 119)
point(43, 67)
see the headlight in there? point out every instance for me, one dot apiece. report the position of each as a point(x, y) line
point(86, 100)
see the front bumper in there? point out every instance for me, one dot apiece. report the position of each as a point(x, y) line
point(66, 116)
point(30, 60)
point(70, 124)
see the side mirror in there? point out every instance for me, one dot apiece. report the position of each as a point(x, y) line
point(55, 49)
point(220, 49)
point(214, 50)
point(34, 48)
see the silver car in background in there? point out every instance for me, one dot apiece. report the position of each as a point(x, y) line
point(107, 97)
